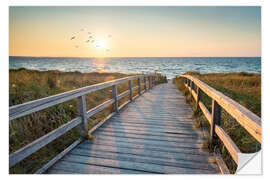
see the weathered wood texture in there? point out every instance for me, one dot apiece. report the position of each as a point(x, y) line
point(82, 119)
point(248, 120)
point(245, 118)
point(152, 134)
point(37, 105)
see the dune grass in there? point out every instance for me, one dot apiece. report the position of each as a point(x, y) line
point(244, 88)
point(27, 85)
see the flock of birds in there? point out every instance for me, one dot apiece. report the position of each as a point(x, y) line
point(89, 39)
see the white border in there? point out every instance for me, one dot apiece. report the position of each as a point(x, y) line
point(4, 69)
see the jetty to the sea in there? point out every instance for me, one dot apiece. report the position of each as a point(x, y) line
point(151, 133)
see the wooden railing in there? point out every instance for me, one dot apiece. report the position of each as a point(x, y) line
point(248, 120)
point(82, 118)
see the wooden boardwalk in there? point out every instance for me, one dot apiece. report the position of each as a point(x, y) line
point(152, 134)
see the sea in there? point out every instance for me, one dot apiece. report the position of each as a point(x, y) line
point(169, 66)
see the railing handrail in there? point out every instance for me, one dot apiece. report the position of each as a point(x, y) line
point(82, 118)
point(26, 108)
point(246, 118)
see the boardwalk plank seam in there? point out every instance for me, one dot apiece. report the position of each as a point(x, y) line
point(157, 126)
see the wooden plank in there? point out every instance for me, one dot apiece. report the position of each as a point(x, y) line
point(147, 137)
point(115, 97)
point(149, 83)
point(192, 85)
point(216, 116)
point(79, 168)
point(177, 129)
point(198, 98)
point(247, 119)
point(194, 95)
point(141, 159)
point(153, 133)
point(58, 157)
point(83, 115)
point(149, 152)
point(152, 122)
point(123, 94)
point(221, 164)
point(168, 127)
point(147, 167)
point(99, 108)
point(161, 131)
point(150, 132)
point(59, 171)
point(123, 105)
point(101, 123)
point(161, 146)
point(148, 119)
point(139, 86)
point(154, 117)
point(206, 112)
point(229, 144)
point(130, 90)
point(139, 128)
point(163, 121)
point(34, 146)
point(37, 105)
point(144, 78)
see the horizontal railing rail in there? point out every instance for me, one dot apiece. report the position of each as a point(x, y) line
point(248, 120)
point(27, 108)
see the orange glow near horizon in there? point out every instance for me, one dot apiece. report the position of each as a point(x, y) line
point(135, 31)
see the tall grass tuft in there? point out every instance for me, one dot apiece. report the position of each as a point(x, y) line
point(27, 85)
point(244, 88)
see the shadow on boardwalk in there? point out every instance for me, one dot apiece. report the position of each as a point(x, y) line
point(153, 134)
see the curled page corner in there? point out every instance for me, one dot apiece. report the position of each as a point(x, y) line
point(249, 163)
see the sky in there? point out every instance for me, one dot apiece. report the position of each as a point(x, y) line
point(135, 31)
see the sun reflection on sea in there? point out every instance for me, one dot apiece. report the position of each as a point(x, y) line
point(100, 64)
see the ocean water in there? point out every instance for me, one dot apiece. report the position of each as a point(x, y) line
point(170, 66)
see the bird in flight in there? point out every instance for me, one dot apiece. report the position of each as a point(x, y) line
point(87, 41)
point(73, 37)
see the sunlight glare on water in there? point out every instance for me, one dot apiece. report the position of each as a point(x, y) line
point(170, 66)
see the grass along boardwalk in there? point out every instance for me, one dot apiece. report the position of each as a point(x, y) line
point(152, 134)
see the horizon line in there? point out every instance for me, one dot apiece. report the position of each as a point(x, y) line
point(142, 56)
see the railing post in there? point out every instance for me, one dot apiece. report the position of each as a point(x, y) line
point(151, 85)
point(139, 86)
point(148, 82)
point(192, 85)
point(216, 116)
point(114, 96)
point(198, 98)
point(82, 114)
point(130, 90)
point(144, 78)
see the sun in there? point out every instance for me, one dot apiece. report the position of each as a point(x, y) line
point(101, 44)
